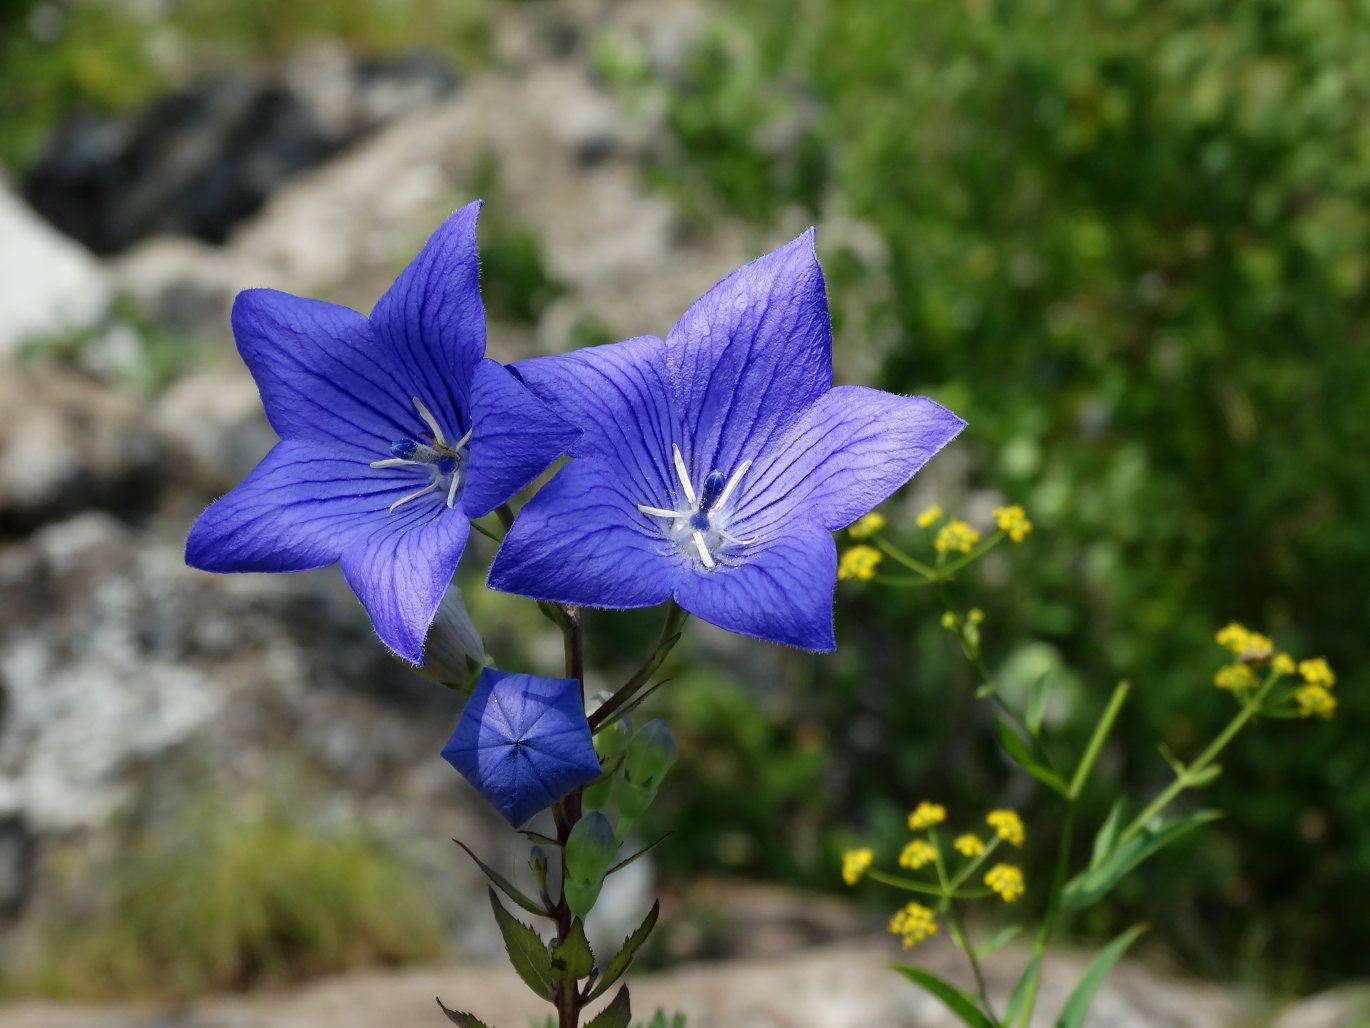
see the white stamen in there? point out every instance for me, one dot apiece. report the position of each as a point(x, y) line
point(394, 462)
point(431, 487)
point(732, 484)
point(684, 475)
point(704, 553)
point(452, 489)
point(658, 512)
point(430, 421)
point(464, 439)
point(730, 538)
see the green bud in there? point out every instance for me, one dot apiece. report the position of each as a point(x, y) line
point(589, 851)
point(537, 865)
point(611, 740)
point(651, 752)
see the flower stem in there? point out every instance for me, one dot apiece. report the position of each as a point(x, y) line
point(567, 812)
point(958, 931)
point(670, 635)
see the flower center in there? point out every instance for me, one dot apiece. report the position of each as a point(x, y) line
point(438, 460)
point(699, 524)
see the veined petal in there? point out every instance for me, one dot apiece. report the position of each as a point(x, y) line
point(516, 437)
point(750, 356)
point(782, 591)
point(849, 452)
point(620, 396)
point(431, 320)
point(320, 370)
point(582, 540)
point(296, 510)
point(400, 567)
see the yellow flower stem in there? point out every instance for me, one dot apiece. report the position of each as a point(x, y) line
point(947, 570)
point(1185, 777)
point(909, 885)
point(890, 550)
point(958, 931)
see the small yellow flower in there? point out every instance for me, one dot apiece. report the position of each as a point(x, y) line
point(930, 516)
point(1317, 672)
point(913, 924)
point(1232, 636)
point(951, 620)
point(955, 535)
point(1014, 521)
point(1258, 647)
point(1246, 644)
point(1006, 880)
point(975, 615)
point(867, 526)
point(854, 864)
point(917, 853)
point(1314, 700)
point(925, 815)
point(1283, 664)
point(1235, 678)
point(1007, 825)
point(859, 562)
point(968, 845)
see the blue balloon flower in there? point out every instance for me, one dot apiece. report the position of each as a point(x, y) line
point(715, 465)
point(523, 742)
point(395, 431)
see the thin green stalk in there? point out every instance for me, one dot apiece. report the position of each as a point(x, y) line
point(670, 635)
point(909, 885)
point(903, 558)
point(1039, 944)
point(958, 931)
point(1096, 741)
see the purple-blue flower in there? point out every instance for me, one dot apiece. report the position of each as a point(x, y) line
point(716, 464)
point(523, 742)
point(395, 431)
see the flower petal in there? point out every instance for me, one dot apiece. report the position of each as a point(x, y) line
point(295, 510)
point(750, 356)
point(321, 371)
point(400, 568)
point(582, 540)
point(516, 437)
point(851, 450)
point(781, 591)
point(432, 322)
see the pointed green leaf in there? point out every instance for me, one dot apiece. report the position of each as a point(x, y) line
point(1107, 835)
point(1000, 940)
point(1020, 754)
point(1077, 1006)
point(1094, 883)
point(959, 1003)
point(540, 839)
point(460, 1017)
point(624, 957)
point(505, 886)
point(572, 958)
point(526, 951)
point(1018, 998)
point(645, 850)
point(1037, 703)
point(616, 1015)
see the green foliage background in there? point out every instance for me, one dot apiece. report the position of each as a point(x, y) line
point(1128, 242)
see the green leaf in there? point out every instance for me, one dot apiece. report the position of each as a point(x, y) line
point(624, 957)
point(1199, 779)
point(1077, 1006)
point(505, 886)
point(628, 860)
point(1107, 835)
point(460, 1017)
point(572, 958)
point(1091, 885)
point(1001, 939)
point(1018, 998)
point(526, 951)
point(1037, 702)
point(1020, 754)
point(616, 1015)
point(959, 1003)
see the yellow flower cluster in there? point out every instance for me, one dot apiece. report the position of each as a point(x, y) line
point(1317, 672)
point(930, 516)
point(916, 854)
point(1313, 697)
point(925, 815)
point(867, 526)
point(1007, 825)
point(1315, 700)
point(1014, 521)
point(968, 845)
point(854, 865)
point(1283, 664)
point(913, 924)
point(1006, 880)
point(1246, 644)
point(1236, 678)
point(859, 562)
point(955, 535)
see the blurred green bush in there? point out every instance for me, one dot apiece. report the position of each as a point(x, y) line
point(1130, 242)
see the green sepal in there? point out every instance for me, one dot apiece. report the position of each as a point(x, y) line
point(617, 1014)
point(1034, 763)
point(624, 957)
point(1091, 885)
point(1082, 996)
point(959, 1003)
point(462, 1018)
point(505, 886)
point(572, 959)
point(526, 951)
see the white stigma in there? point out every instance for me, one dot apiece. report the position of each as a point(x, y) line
point(441, 461)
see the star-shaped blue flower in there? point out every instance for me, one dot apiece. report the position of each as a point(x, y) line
point(523, 742)
point(715, 465)
point(395, 431)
